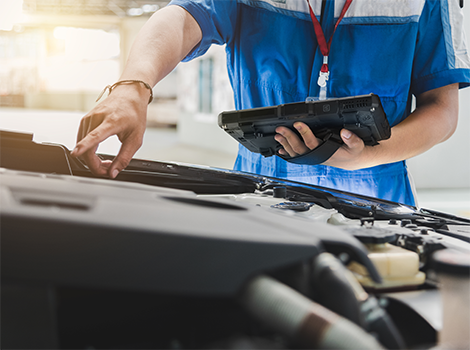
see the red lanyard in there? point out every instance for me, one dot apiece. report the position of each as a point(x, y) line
point(324, 46)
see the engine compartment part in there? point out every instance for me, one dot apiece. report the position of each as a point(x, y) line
point(453, 273)
point(337, 289)
point(296, 316)
point(144, 224)
point(398, 267)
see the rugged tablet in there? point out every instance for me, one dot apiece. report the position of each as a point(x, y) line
point(255, 128)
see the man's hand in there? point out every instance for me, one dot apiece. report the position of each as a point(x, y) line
point(124, 114)
point(349, 156)
point(433, 121)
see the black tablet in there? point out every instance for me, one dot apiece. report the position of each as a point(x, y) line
point(255, 128)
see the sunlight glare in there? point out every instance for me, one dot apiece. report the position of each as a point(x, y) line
point(83, 44)
point(11, 13)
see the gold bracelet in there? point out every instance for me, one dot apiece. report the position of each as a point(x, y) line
point(111, 87)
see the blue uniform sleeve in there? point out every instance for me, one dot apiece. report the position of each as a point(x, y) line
point(216, 18)
point(441, 56)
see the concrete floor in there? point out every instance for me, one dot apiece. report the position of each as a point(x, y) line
point(163, 144)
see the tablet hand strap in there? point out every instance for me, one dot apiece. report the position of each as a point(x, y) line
point(323, 152)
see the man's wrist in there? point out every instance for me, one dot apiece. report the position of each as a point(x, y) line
point(140, 86)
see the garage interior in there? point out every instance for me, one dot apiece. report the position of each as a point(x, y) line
point(57, 55)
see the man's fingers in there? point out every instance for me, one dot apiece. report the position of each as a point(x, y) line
point(90, 122)
point(92, 139)
point(81, 133)
point(97, 166)
point(292, 143)
point(80, 130)
point(351, 140)
point(307, 134)
point(287, 150)
point(127, 151)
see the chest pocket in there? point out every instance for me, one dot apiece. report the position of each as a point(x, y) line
point(381, 11)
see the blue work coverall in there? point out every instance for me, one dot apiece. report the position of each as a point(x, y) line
point(392, 48)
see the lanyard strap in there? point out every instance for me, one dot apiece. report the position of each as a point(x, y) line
point(324, 46)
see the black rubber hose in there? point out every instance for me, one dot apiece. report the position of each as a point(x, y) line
point(379, 322)
point(310, 324)
point(337, 289)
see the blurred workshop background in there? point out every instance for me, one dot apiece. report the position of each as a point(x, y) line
point(57, 55)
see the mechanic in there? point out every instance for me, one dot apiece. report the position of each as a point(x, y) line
point(276, 54)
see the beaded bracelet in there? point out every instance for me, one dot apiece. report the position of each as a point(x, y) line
point(111, 87)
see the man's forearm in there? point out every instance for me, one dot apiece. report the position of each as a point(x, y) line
point(433, 121)
point(167, 37)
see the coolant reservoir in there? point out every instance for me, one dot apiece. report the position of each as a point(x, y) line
point(398, 267)
point(453, 273)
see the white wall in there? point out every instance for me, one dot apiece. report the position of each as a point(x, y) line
point(447, 165)
point(201, 129)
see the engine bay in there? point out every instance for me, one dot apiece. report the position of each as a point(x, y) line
point(177, 256)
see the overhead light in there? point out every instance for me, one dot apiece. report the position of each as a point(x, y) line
point(135, 11)
point(149, 8)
